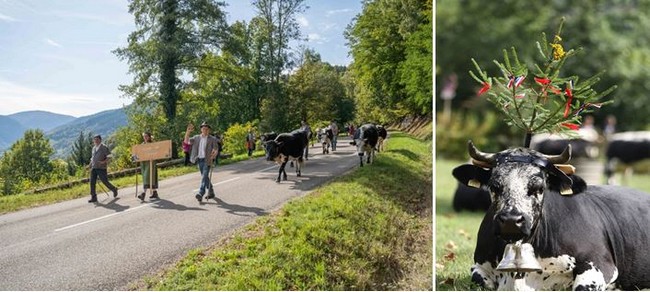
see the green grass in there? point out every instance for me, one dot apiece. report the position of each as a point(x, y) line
point(368, 230)
point(18, 202)
point(456, 232)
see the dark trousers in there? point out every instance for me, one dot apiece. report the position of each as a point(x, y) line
point(187, 158)
point(102, 174)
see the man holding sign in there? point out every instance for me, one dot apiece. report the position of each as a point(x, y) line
point(205, 148)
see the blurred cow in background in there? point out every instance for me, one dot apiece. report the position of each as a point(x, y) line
point(325, 137)
point(626, 148)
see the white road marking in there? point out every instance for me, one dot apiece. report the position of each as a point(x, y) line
point(221, 182)
point(100, 218)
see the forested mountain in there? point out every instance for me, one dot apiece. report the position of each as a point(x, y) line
point(10, 131)
point(104, 123)
point(41, 119)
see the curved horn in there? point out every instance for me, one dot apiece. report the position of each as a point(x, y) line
point(561, 158)
point(488, 158)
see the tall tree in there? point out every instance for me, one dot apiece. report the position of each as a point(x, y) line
point(274, 28)
point(377, 38)
point(82, 149)
point(169, 40)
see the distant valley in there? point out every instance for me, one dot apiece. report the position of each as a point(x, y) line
point(62, 130)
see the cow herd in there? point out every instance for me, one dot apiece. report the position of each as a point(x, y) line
point(581, 236)
point(291, 147)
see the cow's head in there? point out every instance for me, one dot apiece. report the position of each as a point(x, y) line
point(272, 149)
point(518, 180)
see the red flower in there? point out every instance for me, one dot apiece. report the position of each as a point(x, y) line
point(571, 126)
point(486, 87)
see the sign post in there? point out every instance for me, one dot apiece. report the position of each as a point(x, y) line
point(150, 152)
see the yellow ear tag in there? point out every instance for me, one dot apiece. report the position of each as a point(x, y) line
point(566, 192)
point(474, 183)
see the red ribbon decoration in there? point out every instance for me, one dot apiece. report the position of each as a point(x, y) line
point(486, 87)
point(571, 126)
point(568, 101)
point(542, 81)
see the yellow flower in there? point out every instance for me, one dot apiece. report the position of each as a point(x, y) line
point(558, 51)
point(557, 39)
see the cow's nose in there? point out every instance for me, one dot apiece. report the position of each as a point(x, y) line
point(511, 219)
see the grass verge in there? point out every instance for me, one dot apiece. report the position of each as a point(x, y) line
point(368, 230)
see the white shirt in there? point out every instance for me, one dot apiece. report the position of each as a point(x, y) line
point(202, 142)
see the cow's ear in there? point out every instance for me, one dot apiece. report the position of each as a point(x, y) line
point(472, 175)
point(566, 184)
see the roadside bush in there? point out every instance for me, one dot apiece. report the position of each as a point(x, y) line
point(234, 139)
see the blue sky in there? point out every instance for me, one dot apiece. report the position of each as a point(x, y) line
point(55, 55)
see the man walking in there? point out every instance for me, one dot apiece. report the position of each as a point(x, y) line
point(335, 133)
point(205, 148)
point(149, 172)
point(98, 165)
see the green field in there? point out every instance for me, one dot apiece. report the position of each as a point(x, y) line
point(456, 232)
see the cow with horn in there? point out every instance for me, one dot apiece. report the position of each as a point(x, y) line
point(547, 230)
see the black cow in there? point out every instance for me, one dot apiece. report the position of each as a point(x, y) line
point(381, 131)
point(595, 238)
point(325, 137)
point(285, 147)
point(626, 148)
point(366, 141)
point(471, 199)
point(583, 146)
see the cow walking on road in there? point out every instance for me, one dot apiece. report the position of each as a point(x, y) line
point(325, 137)
point(285, 147)
point(366, 140)
point(583, 237)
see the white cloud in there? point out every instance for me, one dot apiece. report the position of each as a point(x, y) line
point(317, 38)
point(53, 43)
point(7, 18)
point(338, 11)
point(302, 21)
point(17, 98)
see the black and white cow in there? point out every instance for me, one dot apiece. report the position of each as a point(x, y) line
point(583, 146)
point(381, 131)
point(325, 136)
point(285, 147)
point(626, 148)
point(596, 238)
point(366, 140)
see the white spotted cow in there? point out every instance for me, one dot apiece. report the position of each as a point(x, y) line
point(365, 138)
point(325, 136)
point(585, 237)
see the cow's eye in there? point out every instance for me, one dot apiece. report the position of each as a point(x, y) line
point(534, 191)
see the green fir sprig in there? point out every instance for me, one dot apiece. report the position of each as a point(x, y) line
point(539, 99)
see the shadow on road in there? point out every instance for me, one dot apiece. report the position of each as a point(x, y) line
point(237, 209)
point(165, 204)
point(111, 205)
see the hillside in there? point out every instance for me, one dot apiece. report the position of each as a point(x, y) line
point(104, 123)
point(10, 131)
point(41, 119)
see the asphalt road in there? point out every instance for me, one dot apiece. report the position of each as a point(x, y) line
point(76, 245)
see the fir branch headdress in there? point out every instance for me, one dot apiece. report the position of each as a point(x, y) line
point(544, 100)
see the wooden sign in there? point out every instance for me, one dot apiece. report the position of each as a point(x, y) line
point(151, 151)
